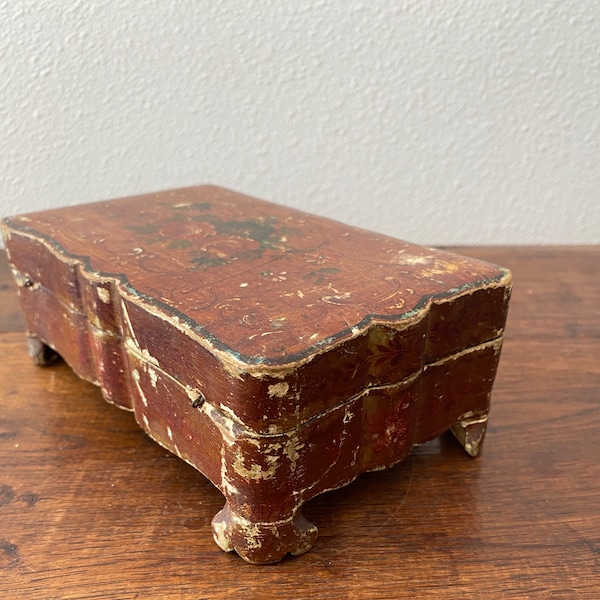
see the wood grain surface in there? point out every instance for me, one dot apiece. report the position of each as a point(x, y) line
point(92, 508)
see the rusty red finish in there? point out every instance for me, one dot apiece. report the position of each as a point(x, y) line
point(280, 353)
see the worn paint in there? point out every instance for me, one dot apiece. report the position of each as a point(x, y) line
point(153, 376)
point(103, 294)
point(279, 390)
point(136, 378)
point(255, 471)
point(142, 353)
point(245, 313)
point(219, 532)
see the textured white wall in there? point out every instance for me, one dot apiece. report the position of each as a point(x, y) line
point(436, 121)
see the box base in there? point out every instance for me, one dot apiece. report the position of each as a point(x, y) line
point(243, 526)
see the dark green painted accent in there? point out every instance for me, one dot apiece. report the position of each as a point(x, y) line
point(202, 259)
point(180, 244)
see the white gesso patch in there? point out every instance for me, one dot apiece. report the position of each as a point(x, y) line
point(255, 471)
point(103, 294)
point(153, 376)
point(279, 390)
point(220, 535)
point(136, 377)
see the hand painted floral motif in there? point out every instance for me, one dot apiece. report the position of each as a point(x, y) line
point(210, 241)
point(385, 352)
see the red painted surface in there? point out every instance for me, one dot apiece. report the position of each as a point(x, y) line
point(280, 353)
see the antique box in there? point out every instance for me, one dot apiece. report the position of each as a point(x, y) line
point(279, 353)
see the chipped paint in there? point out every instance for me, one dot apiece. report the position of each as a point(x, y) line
point(410, 260)
point(153, 376)
point(228, 411)
point(98, 333)
point(226, 485)
point(24, 280)
point(292, 449)
point(255, 471)
point(192, 393)
point(141, 353)
point(219, 532)
point(136, 378)
point(278, 390)
point(225, 425)
point(252, 536)
point(103, 294)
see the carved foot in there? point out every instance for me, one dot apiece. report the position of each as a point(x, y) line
point(41, 354)
point(263, 543)
point(470, 431)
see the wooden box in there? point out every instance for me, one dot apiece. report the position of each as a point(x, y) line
point(279, 353)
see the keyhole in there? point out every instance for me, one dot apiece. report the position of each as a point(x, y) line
point(199, 401)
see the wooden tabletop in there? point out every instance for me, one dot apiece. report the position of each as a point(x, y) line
point(92, 508)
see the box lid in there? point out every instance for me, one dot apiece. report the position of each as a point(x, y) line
point(266, 288)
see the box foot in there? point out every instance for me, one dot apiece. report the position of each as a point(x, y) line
point(470, 430)
point(263, 543)
point(40, 353)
